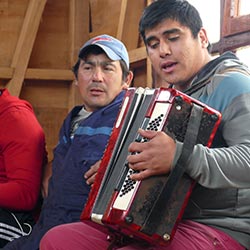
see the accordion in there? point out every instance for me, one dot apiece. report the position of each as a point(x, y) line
point(148, 210)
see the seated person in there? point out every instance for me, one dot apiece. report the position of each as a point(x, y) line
point(102, 73)
point(22, 156)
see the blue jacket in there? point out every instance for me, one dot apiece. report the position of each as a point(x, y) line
point(68, 190)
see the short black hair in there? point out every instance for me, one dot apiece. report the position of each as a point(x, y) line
point(178, 10)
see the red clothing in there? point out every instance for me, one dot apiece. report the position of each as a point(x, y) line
point(189, 235)
point(22, 153)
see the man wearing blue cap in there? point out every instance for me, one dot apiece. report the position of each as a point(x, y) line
point(101, 74)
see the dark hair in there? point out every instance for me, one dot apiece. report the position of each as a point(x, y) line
point(96, 50)
point(178, 10)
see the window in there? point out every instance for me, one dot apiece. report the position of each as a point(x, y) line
point(228, 25)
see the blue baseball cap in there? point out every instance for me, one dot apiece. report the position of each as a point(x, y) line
point(113, 48)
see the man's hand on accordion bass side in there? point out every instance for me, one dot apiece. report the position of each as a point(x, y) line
point(91, 173)
point(155, 156)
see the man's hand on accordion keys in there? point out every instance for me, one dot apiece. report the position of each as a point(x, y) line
point(155, 155)
point(91, 173)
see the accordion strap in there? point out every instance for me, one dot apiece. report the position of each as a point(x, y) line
point(176, 174)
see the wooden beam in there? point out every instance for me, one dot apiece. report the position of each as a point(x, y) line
point(130, 14)
point(49, 74)
point(138, 54)
point(79, 34)
point(78, 26)
point(40, 74)
point(231, 43)
point(123, 12)
point(25, 45)
point(233, 22)
point(6, 73)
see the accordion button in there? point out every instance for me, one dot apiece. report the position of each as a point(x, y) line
point(129, 219)
point(166, 237)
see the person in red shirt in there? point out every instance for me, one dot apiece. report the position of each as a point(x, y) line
point(22, 155)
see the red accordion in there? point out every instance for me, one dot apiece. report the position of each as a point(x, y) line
point(150, 209)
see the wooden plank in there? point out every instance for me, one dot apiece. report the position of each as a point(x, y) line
point(129, 21)
point(49, 74)
point(233, 22)
point(79, 26)
point(138, 54)
point(51, 121)
point(25, 44)
point(240, 24)
point(104, 16)
point(123, 12)
point(79, 34)
point(51, 94)
point(52, 44)
point(39, 74)
point(11, 18)
point(49, 100)
point(231, 43)
point(6, 73)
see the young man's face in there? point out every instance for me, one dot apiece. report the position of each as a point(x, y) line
point(99, 81)
point(175, 54)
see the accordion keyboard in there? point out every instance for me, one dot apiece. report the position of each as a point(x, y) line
point(129, 187)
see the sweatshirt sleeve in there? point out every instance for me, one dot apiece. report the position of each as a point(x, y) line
point(22, 145)
point(226, 166)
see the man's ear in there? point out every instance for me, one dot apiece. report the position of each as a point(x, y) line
point(203, 38)
point(76, 82)
point(128, 80)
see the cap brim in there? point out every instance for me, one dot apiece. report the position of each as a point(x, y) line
point(111, 55)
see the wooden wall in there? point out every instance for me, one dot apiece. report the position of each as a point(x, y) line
point(40, 39)
point(39, 44)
